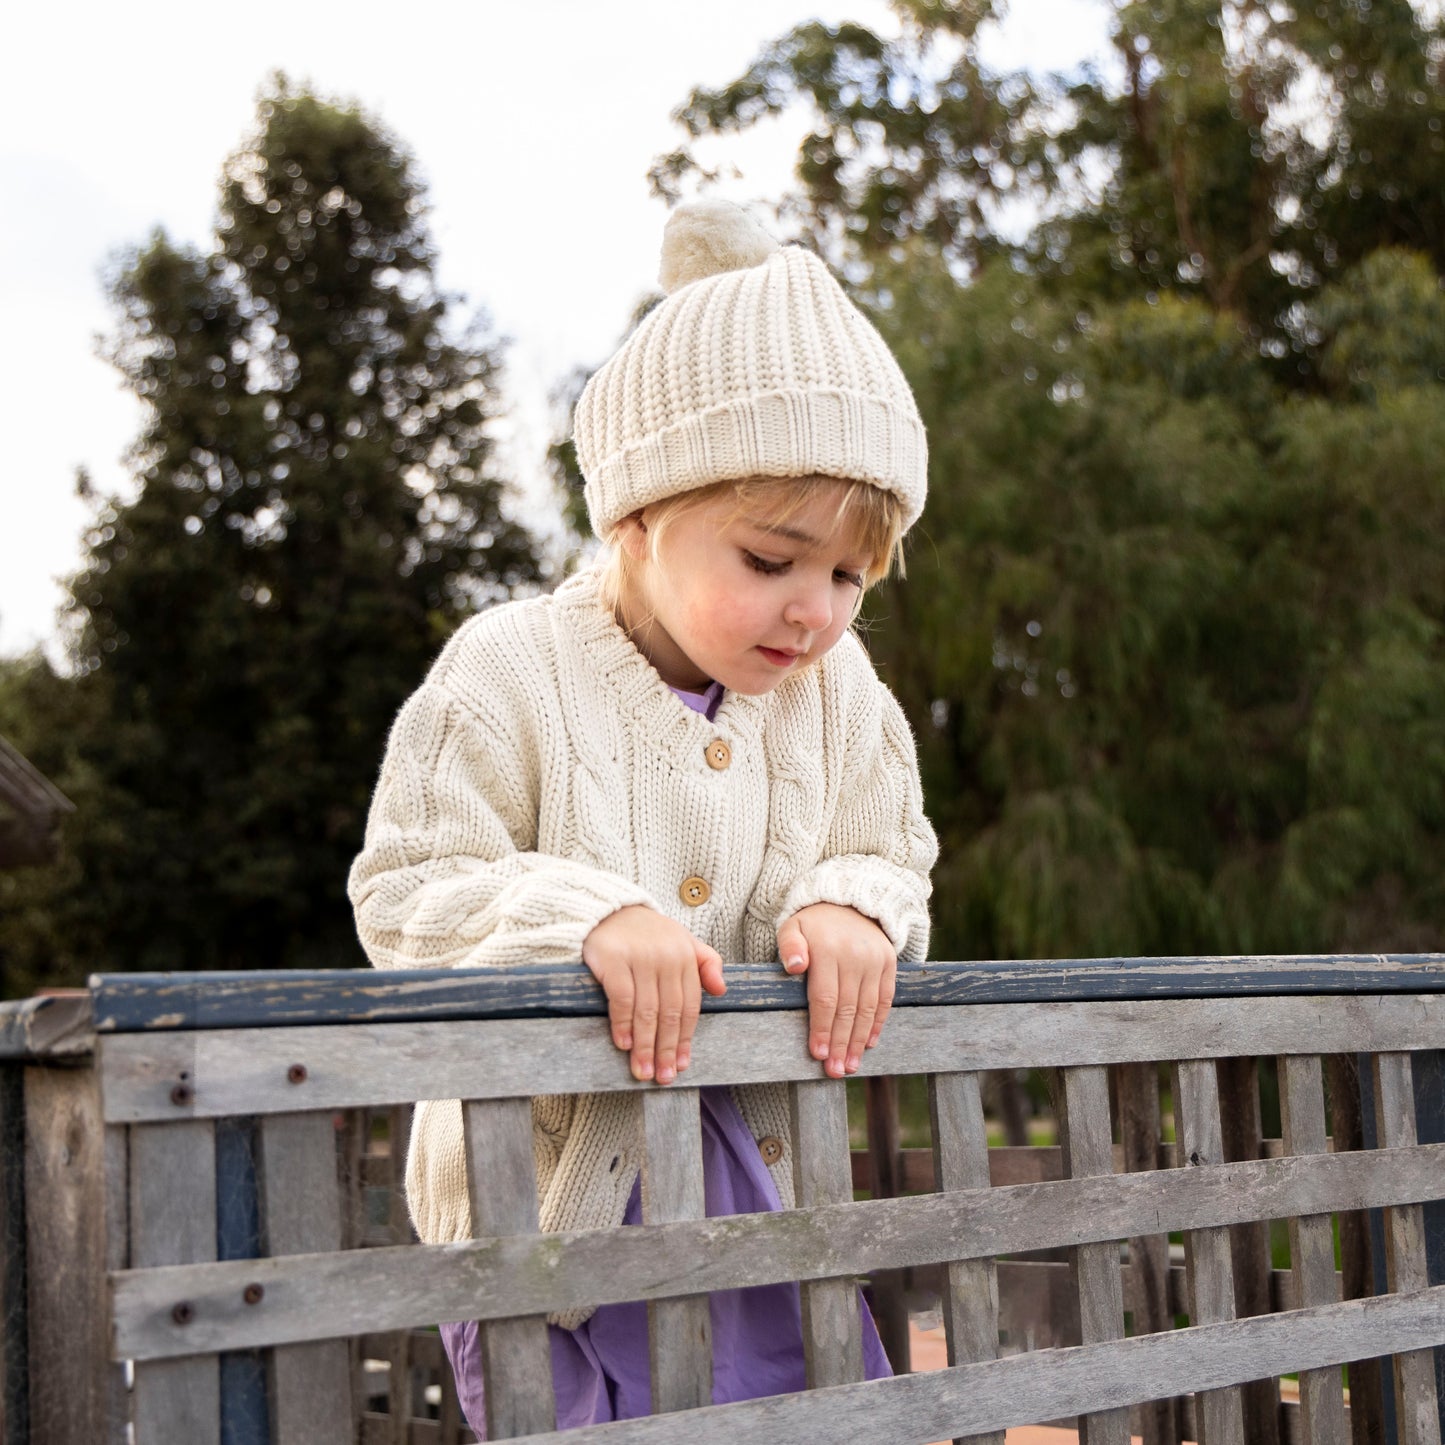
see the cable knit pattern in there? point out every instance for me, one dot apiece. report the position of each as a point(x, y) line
point(544, 776)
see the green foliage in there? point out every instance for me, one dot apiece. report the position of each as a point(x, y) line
point(1243, 154)
point(316, 508)
point(1171, 638)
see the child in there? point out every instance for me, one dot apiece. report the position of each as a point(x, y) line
point(679, 758)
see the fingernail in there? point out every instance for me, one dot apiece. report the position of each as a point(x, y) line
point(820, 1051)
point(683, 1060)
point(644, 1071)
point(851, 1063)
point(664, 1075)
point(835, 1068)
point(794, 964)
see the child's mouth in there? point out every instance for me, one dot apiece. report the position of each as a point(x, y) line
point(778, 659)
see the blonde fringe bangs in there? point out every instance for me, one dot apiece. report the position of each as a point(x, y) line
point(873, 517)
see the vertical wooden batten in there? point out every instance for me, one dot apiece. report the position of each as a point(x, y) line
point(960, 1161)
point(679, 1330)
point(173, 1221)
point(502, 1182)
point(832, 1327)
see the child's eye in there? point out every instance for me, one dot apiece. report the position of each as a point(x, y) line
point(761, 564)
point(854, 579)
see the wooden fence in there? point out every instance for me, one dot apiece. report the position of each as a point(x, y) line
point(202, 1241)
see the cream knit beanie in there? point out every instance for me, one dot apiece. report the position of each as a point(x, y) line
point(755, 365)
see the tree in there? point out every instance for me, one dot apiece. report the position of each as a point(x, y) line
point(317, 506)
point(1242, 152)
point(1173, 635)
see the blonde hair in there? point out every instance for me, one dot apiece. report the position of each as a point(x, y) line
point(875, 518)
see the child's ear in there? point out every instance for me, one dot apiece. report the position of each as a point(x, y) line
point(632, 535)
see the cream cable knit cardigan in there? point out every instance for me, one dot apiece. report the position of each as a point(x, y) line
point(544, 776)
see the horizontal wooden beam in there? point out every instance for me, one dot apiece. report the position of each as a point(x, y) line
point(53, 1028)
point(127, 1003)
point(1048, 1384)
point(322, 1296)
point(210, 1073)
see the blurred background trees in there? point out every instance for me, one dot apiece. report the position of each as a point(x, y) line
point(1171, 638)
point(316, 506)
point(1172, 633)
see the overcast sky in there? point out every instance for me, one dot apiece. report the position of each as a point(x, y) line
point(534, 124)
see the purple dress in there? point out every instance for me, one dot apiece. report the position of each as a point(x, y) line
point(600, 1372)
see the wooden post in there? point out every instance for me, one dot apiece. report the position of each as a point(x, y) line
point(173, 1221)
point(679, 1331)
point(960, 1161)
point(832, 1329)
point(76, 1393)
point(1086, 1136)
point(1249, 1243)
point(1206, 1251)
point(1140, 1130)
point(890, 1308)
point(1367, 1395)
point(1416, 1403)
point(308, 1386)
point(502, 1181)
point(15, 1324)
point(1311, 1242)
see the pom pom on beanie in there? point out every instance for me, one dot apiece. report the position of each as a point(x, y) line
point(755, 365)
point(708, 238)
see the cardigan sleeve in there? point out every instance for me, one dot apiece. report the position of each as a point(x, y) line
point(448, 874)
point(880, 846)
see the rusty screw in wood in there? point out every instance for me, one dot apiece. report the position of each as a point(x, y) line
point(182, 1314)
point(182, 1094)
point(296, 1074)
point(252, 1294)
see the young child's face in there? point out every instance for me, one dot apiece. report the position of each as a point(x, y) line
point(742, 600)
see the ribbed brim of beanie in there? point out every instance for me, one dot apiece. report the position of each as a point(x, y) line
point(764, 371)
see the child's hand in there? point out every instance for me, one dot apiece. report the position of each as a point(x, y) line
point(851, 971)
point(653, 972)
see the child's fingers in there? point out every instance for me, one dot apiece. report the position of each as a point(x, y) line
point(671, 1010)
point(645, 1011)
point(855, 1039)
point(823, 999)
point(792, 946)
point(620, 1000)
point(886, 986)
point(691, 1006)
point(710, 970)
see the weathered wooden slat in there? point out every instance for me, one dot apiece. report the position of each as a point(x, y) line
point(1046, 1384)
point(502, 1182)
point(52, 1028)
point(15, 1325)
point(970, 1286)
point(1207, 1257)
point(126, 1003)
point(1312, 1243)
point(212, 1073)
point(679, 1330)
point(1086, 1138)
point(890, 1306)
point(173, 1222)
point(1239, 1102)
point(309, 1385)
point(1416, 1402)
point(317, 1297)
point(832, 1326)
point(71, 1386)
point(1146, 1281)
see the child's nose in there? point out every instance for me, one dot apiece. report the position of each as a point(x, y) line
point(811, 609)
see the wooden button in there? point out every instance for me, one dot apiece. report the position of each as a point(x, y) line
point(694, 891)
point(719, 754)
point(771, 1149)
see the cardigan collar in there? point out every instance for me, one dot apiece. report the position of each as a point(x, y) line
point(637, 688)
